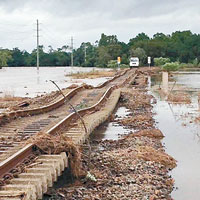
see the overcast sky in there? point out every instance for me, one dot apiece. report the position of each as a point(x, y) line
point(85, 20)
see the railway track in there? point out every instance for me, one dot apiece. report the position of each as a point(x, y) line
point(57, 117)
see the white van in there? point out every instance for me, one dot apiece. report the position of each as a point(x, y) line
point(134, 62)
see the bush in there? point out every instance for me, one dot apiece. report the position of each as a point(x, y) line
point(112, 64)
point(183, 65)
point(190, 65)
point(161, 61)
point(173, 66)
point(195, 62)
point(124, 66)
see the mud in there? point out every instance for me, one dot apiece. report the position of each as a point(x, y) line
point(179, 97)
point(132, 167)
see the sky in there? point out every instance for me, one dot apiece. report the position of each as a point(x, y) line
point(85, 20)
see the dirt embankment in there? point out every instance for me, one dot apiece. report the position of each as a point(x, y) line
point(133, 167)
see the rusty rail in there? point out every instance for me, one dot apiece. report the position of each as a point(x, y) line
point(43, 109)
point(36, 111)
point(16, 158)
point(21, 155)
point(110, 80)
point(63, 123)
point(11, 162)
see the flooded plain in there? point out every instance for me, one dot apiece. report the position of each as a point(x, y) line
point(30, 82)
point(181, 127)
point(180, 124)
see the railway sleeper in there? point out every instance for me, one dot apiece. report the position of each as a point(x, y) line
point(36, 178)
point(50, 166)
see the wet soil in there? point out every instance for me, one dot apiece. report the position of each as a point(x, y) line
point(133, 167)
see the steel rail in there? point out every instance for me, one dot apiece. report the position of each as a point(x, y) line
point(36, 111)
point(11, 162)
point(22, 154)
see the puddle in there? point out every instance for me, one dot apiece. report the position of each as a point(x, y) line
point(2, 110)
point(112, 130)
point(28, 82)
point(182, 139)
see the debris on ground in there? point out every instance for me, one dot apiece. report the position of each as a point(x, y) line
point(92, 74)
point(179, 97)
point(50, 144)
point(153, 133)
point(132, 167)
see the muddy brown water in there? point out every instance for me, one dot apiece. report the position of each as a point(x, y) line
point(182, 138)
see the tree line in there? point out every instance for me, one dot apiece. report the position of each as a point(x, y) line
point(180, 46)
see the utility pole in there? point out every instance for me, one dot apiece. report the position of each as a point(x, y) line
point(38, 64)
point(72, 58)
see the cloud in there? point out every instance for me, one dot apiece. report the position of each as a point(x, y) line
point(87, 19)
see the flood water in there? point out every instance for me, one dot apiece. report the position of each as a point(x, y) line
point(190, 79)
point(182, 135)
point(182, 138)
point(30, 82)
point(112, 130)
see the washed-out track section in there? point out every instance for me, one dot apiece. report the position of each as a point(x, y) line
point(26, 123)
point(32, 183)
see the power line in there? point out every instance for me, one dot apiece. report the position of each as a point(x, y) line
point(52, 35)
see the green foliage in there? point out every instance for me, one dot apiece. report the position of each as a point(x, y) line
point(5, 55)
point(140, 53)
point(108, 40)
point(183, 65)
point(182, 46)
point(190, 65)
point(141, 37)
point(161, 61)
point(173, 66)
point(124, 66)
point(112, 64)
point(195, 62)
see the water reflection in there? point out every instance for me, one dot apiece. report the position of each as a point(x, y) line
point(165, 82)
point(38, 77)
point(182, 140)
point(112, 130)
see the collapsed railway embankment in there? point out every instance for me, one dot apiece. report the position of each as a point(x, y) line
point(133, 167)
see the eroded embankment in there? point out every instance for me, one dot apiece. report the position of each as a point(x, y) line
point(133, 167)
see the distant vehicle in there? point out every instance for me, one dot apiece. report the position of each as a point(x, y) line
point(134, 62)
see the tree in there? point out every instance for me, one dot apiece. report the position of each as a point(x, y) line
point(140, 53)
point(138, 38)
point(18, 58)
point(5, 55)
point(161, 61)
point(103, 56)
point(107, 40)
point(174, 66)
